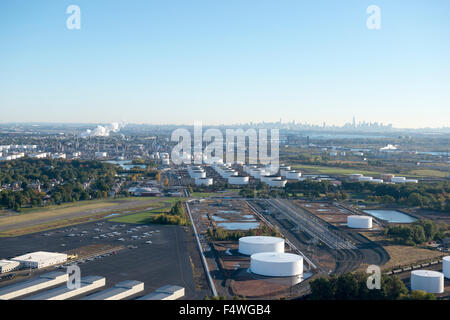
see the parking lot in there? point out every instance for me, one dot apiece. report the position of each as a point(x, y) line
point(155, 254)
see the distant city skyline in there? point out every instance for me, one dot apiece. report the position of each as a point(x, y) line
point(226, 62)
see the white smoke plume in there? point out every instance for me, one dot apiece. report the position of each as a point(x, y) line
point(103, 131)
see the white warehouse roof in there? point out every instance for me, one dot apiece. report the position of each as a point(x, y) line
point(41, 259)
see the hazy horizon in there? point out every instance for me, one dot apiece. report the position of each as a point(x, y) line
point(316, 126)
point(179, 62)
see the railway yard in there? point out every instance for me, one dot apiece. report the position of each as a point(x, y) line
point(326, 248)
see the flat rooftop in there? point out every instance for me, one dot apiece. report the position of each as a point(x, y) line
point(155, 296)
point(169, 289)
point(6, 262)
point(39, 256)
point(119, 288)
point(86, 281)
point(32, 282)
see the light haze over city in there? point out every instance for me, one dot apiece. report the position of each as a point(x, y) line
point(226, 62)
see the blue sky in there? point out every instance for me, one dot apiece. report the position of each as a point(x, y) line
point(225, 61)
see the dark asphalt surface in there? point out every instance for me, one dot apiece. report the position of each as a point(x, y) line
point(164, 261)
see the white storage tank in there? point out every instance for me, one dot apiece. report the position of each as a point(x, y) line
point(267, 179)
point(277, 183)
point(355, 176)
point(446, 266)
point(427, 280)
point(239, 180)
point(198, 174)
point(257, 244)
point(276, 264)
point(228, 173)
point(293, 175)
point(398, 179)
point(359, 222)
point(204, 181)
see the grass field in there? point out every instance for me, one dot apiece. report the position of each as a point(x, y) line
point(406, 255)
point(417, 173)
point(429, 173)
point(54, 211)
point(331, 170)
point(137, 217)
point(52, 217)
point(202, 194)
point(402, 255)
point(140, 217)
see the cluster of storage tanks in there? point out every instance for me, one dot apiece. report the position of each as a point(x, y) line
point(227, 172)
point(289, 174)
point(265, 175)
point(431, 281)
point(199, 175)
point(267, 257)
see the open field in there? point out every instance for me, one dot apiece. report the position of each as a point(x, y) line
point(141, 217)
point(405, 255)
point(311, 169)
point(429, 173)
point(56, 216)
point(402, 255)
point(328, 170)
point(203, 194)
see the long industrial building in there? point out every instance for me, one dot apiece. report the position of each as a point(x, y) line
point(8, 265)
point(45, 281)
point(168, 292)
point(87, 284)
point(119, 291)
point(40, 259)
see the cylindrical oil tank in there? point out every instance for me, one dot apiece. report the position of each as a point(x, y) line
point(239, 180)
point(276, 264)
point(293, 175)
point(198, 174)
point(446, 266)
point(257, 244)
point(355, 176)
point(277, 183)
point(427, 280)
point(359, 222)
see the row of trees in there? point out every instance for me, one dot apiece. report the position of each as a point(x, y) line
point(418, 232)
point(353, 286)
point(433, 196)
point(176, 216)
point(59, 181)
point(221, 234)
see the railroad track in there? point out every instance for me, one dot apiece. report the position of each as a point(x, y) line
point(310, 225)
